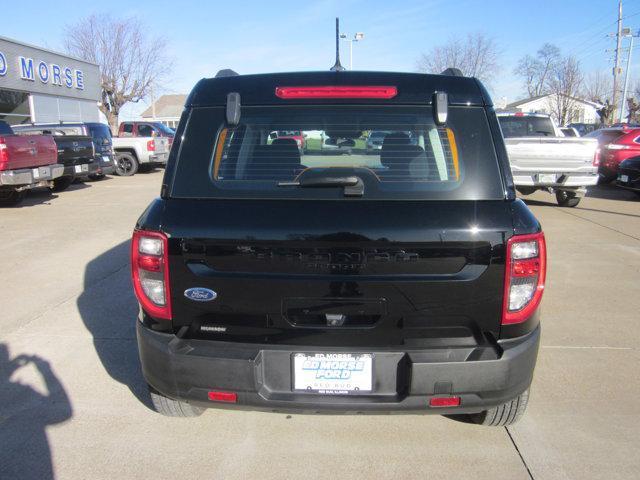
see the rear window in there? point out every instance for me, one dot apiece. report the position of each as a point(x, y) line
point(100, 133)
point(526, 126)
point(416, 158)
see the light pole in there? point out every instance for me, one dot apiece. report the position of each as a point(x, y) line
point(626, 33)
point(356, 38)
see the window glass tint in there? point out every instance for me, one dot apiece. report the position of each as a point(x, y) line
point(526, 126)
point(101, 134)
point(127, 128)
point(400, 153)
point(14, 107)
point(145, 131)
point(423, 154)
point(164, 129)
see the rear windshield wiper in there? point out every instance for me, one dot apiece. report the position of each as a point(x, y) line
point(353, 186)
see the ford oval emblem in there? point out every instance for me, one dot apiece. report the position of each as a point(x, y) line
point(199, 294)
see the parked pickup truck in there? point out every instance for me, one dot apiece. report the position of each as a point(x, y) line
point(25, 163)
point(146, 129)
point(75, 152)
point(543, 159)
point(406, 279)
point(138, 153)
point(99, 133)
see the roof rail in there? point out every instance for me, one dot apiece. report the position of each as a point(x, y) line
point(226, 72)
point(453, 71)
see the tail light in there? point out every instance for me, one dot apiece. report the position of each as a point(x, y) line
point(525, 272)
point(336, 92)
point(151, 145)
point(4, 154)
point(596, 158)
point(150, 272)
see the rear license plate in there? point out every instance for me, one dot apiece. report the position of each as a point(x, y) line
point(106, 159)
point(624, 178)
point(41, 172)
point(82, 168)
point(333, 373)
point(547, 178)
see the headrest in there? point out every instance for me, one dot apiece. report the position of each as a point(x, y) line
point(396, 138)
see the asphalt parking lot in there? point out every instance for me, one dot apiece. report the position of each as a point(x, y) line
point(72, 397)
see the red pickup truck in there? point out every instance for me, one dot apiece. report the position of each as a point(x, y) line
point(25, 162)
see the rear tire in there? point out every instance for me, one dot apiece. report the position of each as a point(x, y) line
point(10, 198)
point(566, 198)
point(172, 408)
point(62, 183)
point(505, 414)
point(126, 164)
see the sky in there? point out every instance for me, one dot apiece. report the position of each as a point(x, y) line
point(273, 36)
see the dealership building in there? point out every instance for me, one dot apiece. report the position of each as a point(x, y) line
point(38, 85)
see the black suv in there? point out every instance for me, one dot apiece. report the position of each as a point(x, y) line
point(404, 280)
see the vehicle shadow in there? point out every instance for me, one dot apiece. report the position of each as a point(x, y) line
point(109, 310)
point(25, 414)
point(610, 192)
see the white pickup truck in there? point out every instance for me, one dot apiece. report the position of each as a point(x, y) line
point(542, 158)
point(137, 153)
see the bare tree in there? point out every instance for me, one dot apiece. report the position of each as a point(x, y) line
point(130, 61)
point(476, 56)
point(536, 70)
point(597, 87)
point(564, 85)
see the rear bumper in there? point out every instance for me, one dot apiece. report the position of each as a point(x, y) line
point(563, 179)
point(82, 169)
point(160, 158)
point(261, 375)
point(30, 176)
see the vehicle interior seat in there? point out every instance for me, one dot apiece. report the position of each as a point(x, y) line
point(403, 160)
point(279, 161)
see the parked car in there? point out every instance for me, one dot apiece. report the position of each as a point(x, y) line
point(405, 281)
point(138, 153)
point(542, 158)
point(629, 174)
point(76, 152)
point(100, 135)
point(25, 163)
point(294, 135)
point(584, 128)
point(337, 142)
point(146, 129)
point(616, 145)
point(569, 132)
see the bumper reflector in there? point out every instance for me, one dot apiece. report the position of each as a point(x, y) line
point(228, 397)
point(444, 402)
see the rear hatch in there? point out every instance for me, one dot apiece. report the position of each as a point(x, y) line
point(74, 149)
point(402, 246)
point(378, 273)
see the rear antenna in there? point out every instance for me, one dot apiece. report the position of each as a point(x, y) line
point(337, 67)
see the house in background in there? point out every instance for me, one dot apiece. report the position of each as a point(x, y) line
point(166, 109)
point(579, 110)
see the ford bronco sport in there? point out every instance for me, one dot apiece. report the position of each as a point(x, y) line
point(405, 279)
